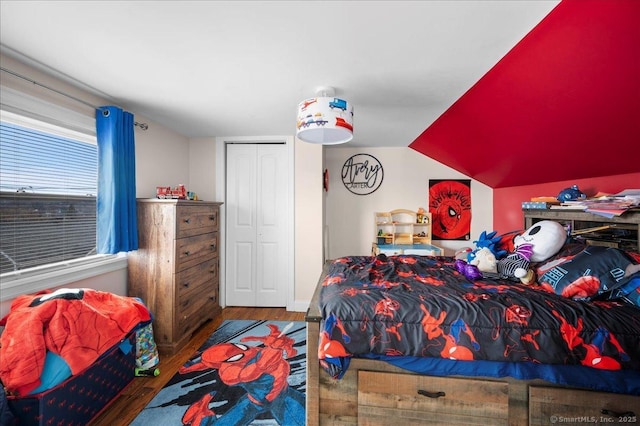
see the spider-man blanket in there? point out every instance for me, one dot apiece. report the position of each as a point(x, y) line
point(422, 307)
point(77, 324)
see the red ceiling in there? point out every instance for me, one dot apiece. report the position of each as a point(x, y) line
point(563, 104)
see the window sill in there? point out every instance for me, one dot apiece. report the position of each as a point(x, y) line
point(14, 284)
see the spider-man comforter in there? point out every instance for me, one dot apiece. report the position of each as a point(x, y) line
point(77, 324)
point(422, 307)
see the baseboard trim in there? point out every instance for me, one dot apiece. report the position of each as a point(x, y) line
point(300, 306)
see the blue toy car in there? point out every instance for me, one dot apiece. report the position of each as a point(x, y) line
point(338, 103)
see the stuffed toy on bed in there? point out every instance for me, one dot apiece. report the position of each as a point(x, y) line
point(537, 244)
point(473, 263)
point(488, 241)
point(485, 260)
point(483, 263)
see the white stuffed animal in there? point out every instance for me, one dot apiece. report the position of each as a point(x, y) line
point(485, 260)
point(538, 243)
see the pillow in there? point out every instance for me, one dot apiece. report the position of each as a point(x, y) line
point(634, 255)
point(568, 251)
point(630, 292)
point(594, 271)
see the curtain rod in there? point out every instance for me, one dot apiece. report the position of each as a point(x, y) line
point(143, 126)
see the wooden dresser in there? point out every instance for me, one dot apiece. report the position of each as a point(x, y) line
point(175, 269)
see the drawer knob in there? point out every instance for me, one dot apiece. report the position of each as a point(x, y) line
point(187, 220)
point(187, 253)
point(212, 217)
point(431, 394)
point(185, 285)
point(213, 246)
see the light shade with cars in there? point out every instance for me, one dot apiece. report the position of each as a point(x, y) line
point(325, 120)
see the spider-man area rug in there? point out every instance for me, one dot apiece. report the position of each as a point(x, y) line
point(246, 373)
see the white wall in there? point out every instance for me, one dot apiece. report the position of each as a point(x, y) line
point(162, 158)
point(202, 168)
point(405, 186)
point(308, 221)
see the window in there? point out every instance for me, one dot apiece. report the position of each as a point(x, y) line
point(48, 187)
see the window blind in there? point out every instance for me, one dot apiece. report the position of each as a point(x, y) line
point(48, 186)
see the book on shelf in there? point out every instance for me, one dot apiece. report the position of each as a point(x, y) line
point(546, 199)
point(615, 205)
point(606, 205)
point(606, 213)
point(527, 205)
point(570, 205)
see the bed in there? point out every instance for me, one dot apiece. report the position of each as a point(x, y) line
point(409, 337)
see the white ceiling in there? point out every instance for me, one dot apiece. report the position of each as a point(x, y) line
point(240, 68)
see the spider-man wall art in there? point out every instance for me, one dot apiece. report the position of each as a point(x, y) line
point(450, 207)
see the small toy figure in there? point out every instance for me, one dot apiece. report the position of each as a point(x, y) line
point(571, 194)
point(483, 261)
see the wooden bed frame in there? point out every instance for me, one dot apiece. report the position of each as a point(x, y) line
point(377, 393)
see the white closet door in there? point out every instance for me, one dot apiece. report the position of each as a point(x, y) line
point(257, 241)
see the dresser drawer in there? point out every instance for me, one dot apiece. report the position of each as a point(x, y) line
point(391, 398)
point(193, 279)
point(572, 406)
point(194, 220)
point(193, 250)
point(196, 307)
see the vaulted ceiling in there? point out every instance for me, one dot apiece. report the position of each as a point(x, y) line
point(563, 104)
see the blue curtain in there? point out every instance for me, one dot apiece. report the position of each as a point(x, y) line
point(116, 203)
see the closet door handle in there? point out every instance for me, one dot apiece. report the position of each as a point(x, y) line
point(431, 394)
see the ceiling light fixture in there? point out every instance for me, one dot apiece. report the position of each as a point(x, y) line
point(325, 119)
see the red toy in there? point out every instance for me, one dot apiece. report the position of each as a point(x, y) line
point(179, 192)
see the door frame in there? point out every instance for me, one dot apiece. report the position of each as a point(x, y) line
point(221, 189)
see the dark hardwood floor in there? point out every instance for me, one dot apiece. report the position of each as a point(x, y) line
point(137, 395)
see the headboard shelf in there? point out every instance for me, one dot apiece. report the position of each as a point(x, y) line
point(619, 231)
